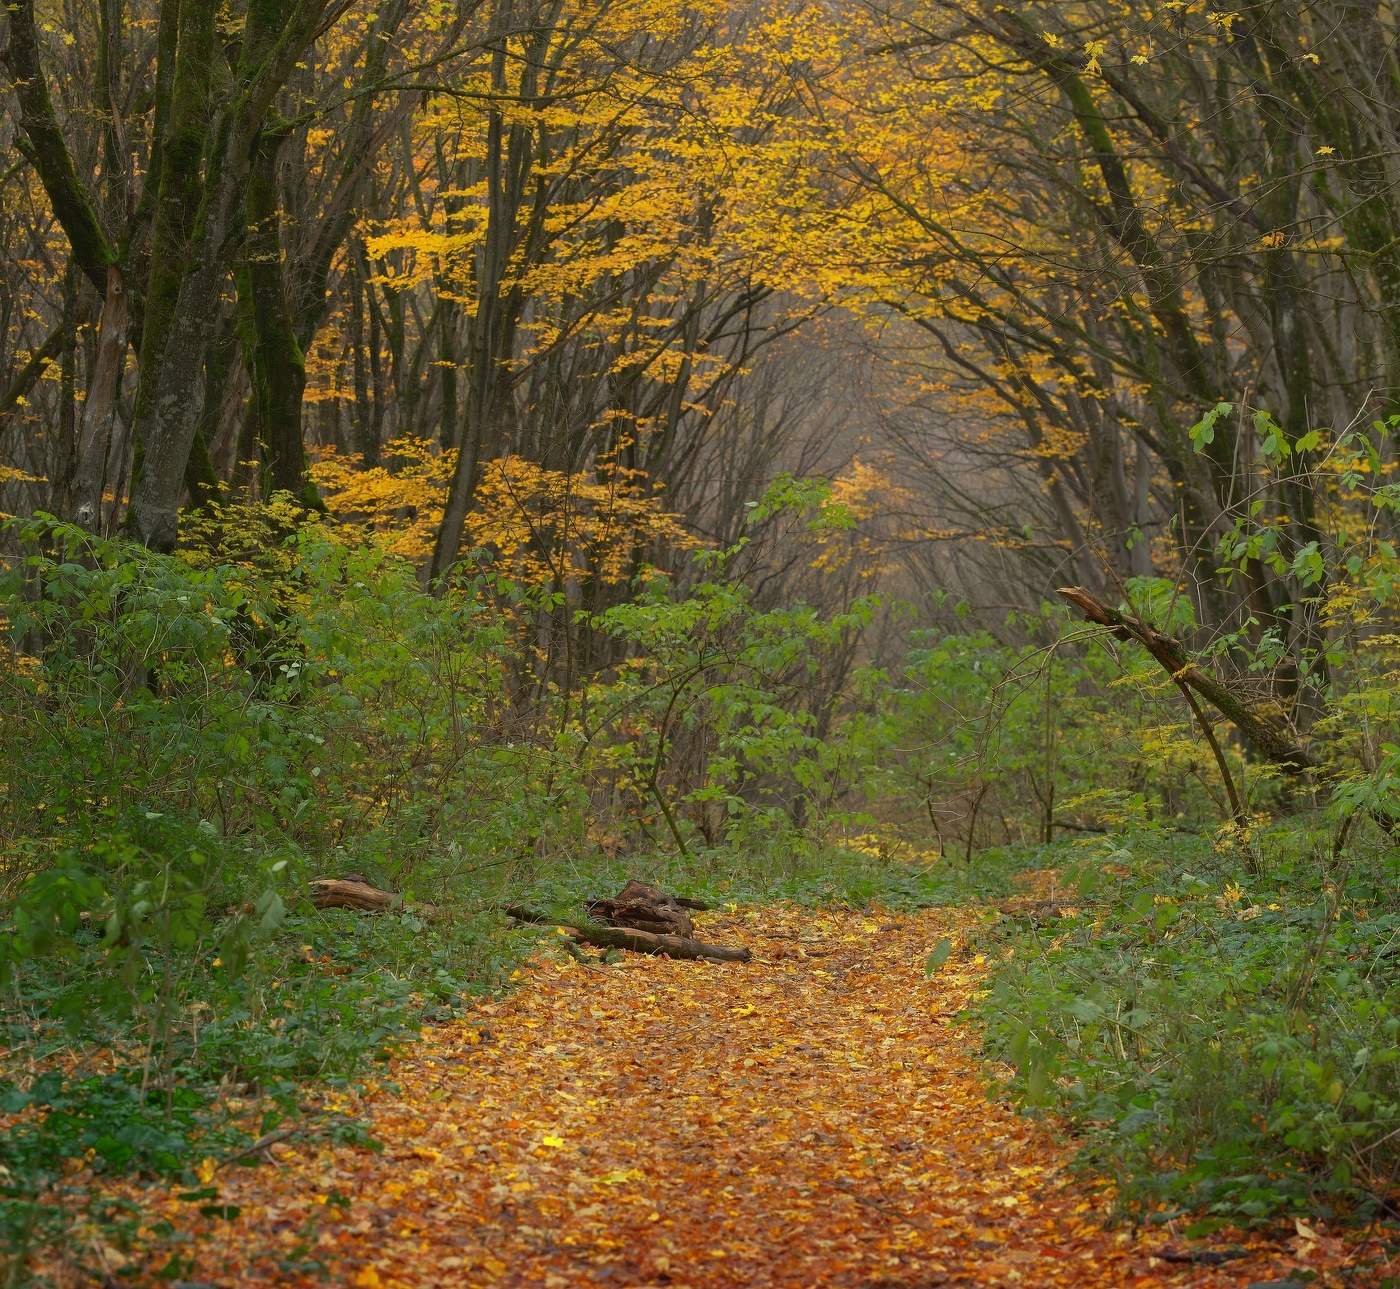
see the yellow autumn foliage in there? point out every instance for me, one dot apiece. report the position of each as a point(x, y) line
point(543, 527)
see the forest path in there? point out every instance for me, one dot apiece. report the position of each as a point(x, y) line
point(815, 1117)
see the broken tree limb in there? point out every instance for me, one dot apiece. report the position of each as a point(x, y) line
point(1208, 731)
point(673, 946)
point(611, 937)
point(1272, 738)
point(353, 892)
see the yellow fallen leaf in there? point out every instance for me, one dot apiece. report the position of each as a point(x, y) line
point(368, 1278)
point(554, 1142)
point(619, 1176)
point(205, 1171)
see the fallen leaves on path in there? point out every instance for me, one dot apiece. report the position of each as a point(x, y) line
point(817, 1117)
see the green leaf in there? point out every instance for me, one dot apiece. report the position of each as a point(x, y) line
point(270, 910)
point(1203, 432)
point(938, 957)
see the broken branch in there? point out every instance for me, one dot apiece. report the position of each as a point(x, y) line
point(1271, 737)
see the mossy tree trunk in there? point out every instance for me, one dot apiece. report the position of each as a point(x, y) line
point(212, 139)
point(274, 358)
point(173, 330)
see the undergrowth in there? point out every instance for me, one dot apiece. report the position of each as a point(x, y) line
point(1218, 1023)
point(859, 874)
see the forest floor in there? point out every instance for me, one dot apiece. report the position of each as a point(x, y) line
point(816, 1117)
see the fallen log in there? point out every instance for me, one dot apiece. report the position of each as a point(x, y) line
point(673, 946)
point(610, 937)
point(354, 892)
point(1203, 1257)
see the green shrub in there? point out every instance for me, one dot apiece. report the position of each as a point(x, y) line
point(1226, 1040)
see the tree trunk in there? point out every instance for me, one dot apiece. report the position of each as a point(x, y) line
point(206, 162)
point(100, 432)
point(182, 287)
point(276, 365)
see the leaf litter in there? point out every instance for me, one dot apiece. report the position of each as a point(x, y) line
point(817, 1117)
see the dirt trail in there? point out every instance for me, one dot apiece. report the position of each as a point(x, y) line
point(817, 1117)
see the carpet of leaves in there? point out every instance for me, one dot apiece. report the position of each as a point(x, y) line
point(817, 1117)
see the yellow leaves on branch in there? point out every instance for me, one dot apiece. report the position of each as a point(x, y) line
point(548, 527)
point(400, 504)
point(12, 474)
point(1056, 443)
point(696, 167)
point(855, 530)
point(545, 527)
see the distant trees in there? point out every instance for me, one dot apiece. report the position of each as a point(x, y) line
point(1123, 216)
